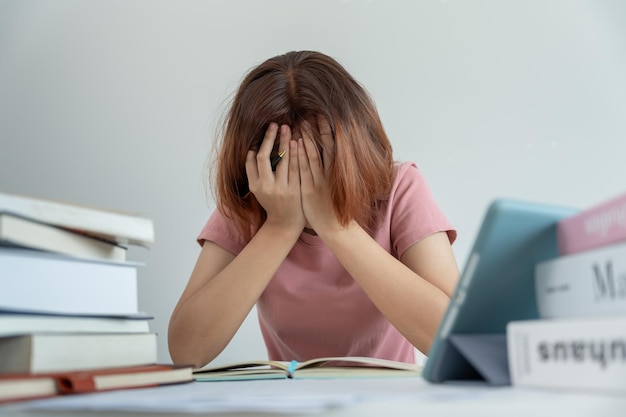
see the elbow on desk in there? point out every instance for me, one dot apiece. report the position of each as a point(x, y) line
point(187, 350)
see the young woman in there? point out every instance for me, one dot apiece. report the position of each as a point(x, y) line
point(343, 251)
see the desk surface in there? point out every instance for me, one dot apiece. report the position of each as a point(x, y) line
point(332, 398)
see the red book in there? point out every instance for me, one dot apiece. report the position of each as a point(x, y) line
point(595, 227)
point(16, 387)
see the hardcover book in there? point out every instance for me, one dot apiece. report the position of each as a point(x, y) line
point(52, 283)
point(331, 367)
point(60, 352)
point(583, 354)
point(597, 226)
point(589, 283)
point(107, 224)
point(13, 322)
point(21, 232)
point(19, 387)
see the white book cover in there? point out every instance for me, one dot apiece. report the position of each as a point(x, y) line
point(59, 352)
point(21, 232)
point(108, 224)
point(591, 283)
point(585, 353)
point(39, 281)
point(13, 323)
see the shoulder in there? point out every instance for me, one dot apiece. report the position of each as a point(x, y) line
point(221, 231)
point(413, 210)
point(408, 177)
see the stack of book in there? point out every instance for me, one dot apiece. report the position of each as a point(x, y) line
point(579, 340)
point(69, 316)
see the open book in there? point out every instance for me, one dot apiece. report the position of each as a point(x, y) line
point(330, 367)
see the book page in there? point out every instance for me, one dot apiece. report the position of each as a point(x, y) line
point(357, 361)
point(259, 365)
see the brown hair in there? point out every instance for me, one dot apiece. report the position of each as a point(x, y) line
point(289, 89)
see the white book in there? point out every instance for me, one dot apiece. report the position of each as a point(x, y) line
point(19, 231)
point(58, 352)
point(582, 354)
point(48, 283)
point(591, 283)
point(14, 323)
point(108, 224)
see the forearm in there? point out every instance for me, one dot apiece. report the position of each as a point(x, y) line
point(411, 303)
point(207, 317)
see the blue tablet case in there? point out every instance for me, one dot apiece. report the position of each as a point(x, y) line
point(497, 285)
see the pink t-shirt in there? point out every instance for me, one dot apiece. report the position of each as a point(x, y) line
point(313, 308)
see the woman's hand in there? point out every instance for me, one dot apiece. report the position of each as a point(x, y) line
point(224, 287)
point(278, 192)
point(314, 177)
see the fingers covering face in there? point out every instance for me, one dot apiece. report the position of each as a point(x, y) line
point(313, 152)
point(328, 141)
point(316, 158)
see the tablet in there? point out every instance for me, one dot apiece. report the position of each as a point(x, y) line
point(496, 286)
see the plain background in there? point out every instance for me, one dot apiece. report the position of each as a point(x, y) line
point(116, 103)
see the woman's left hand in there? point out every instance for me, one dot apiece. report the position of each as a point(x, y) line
point(314, 176)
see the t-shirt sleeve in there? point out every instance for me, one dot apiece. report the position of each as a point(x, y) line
point(415, 213)
point(219, 230)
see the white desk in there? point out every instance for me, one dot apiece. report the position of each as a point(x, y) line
point(332, 398)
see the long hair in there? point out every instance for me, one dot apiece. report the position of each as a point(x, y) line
point(289, 89)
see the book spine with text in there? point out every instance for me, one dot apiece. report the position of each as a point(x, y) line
point(598, 226)
point(581, 354)
point(590, 283)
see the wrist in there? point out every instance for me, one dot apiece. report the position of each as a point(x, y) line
point(282, 230)
point(336, 232)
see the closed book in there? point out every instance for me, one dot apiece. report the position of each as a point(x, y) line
point(591, 283)
point(18, 231)
point(19, 387)
point(14, 323)
point(586, 354)
point(108, 224)
point(44, 282)
point(59, 352)
point(600, 225)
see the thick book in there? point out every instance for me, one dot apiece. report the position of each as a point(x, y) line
point(14, 322)
point(590, 283)
point(586, 354)
point(600, 225)
point(329, 367)
point(52, 283)
point(60, 352)
point(107, 224)
point(20, 387)
point(22, 232)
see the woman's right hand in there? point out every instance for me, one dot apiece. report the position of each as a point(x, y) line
point(278, 192)
point(224, 287)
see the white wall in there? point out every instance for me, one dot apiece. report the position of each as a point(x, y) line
point(114, 103)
